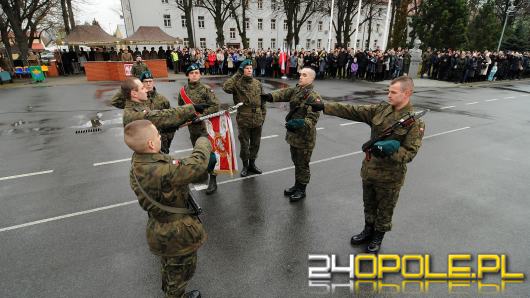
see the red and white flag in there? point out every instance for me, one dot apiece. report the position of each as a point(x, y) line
point(283, 60)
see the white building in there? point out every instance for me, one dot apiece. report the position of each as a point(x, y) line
point(266, 27)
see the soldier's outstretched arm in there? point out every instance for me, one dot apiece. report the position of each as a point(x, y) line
point(360, 113)
point(412, 143)
point(166, 103)
point(283, 95)
point(170, 118)
point(191, 168)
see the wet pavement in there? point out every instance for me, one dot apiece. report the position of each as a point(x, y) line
point(70, 225)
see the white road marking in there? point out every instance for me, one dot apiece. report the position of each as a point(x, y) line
point(472, 103)
point(269, 137)
point(494, 99)
point(65, 216)
point(26, 175)
point(349, 123)
point(509, 97)
point(320, 128)
point(197, 187)
point(448, 107)
point(97, 164)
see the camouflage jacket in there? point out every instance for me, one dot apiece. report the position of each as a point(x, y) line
point(166, 119)
point(166, 180)
point(156, 101)
point(246, 90)
point(199, 93)
point(305, 137)
point(138, 69)
point(388, 171)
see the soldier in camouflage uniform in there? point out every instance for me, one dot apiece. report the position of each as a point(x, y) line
point(174, 232)
point(139, 67)
point(301, 128)
point(155, 101)
point(250, 116)
point(137, 107)
point(383, 173)
point(200, 93)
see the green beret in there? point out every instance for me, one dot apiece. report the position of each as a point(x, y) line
point(191, 68)
point(245, 63)
point(146, 75)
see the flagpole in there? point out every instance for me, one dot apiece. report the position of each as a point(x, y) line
point(387, 22)
point(357, 27)
point(330, 23)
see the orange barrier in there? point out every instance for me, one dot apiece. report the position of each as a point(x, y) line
point(115, 70)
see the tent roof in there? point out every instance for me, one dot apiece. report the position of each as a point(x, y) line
point(150, 35)
point(89, 35)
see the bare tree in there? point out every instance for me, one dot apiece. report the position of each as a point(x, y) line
point(297, 12)
point(24, 18)
point(4, 32)
point(187, 6)
point(238, 9)
point(68, 15)
point(220, 12)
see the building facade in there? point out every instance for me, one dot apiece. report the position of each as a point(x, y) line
point(266, 25)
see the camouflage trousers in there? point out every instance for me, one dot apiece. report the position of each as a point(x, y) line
point(379, 204)
point(176, 273)
point(166, 138)
point(301, 158)
point(250, 139)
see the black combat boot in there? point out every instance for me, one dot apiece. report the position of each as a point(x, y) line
point(244, 171)
point(364, 236)
point(375, 244)
point(193, 294)
point(298, 194)
point(289, 191)
point(252, 167)
point(212, 185)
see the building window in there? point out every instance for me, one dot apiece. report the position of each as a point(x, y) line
point(199, 3)
point(260, 24)
point(167, 20)
point(358, 43)
point(285, 25)
point(273, 43)
point(232, 33)
point(179, 2)
point(260, 43)
point(260, 4)
point(377, 27)
point(379, 12)
point(247, 23)
point(308, 43)
point(285, 44)
point(273, 24)
point(319, 43)
point(375, 44)
point(186, 42)
point(273, 5)
point(320, 25)
point(164, 1)
point(309, 25)
point(183, 21)
point(202, 42)
point(201, 22)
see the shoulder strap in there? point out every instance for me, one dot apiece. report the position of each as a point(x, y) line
point(169, 209)
point(185, 96)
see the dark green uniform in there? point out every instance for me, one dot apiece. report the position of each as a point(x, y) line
point(199, 93)
point(250, 116)
point(174, 237)
point(382, 177)
point(302, 140)
point(155, 101)
point(138, 69)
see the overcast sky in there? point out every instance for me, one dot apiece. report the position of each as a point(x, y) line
point(106, 12)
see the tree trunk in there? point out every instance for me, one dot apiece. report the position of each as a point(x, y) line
point(5, 40)
point(71, 14)
point(392, 18)
point(220, 34)
point(189, 22)
point(370, 16)
point(65, 17)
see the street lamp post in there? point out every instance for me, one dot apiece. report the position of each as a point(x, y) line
point(509, 10)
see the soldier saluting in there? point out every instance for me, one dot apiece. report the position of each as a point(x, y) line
point(301, 124)
point(250, 117)
point(195, 92)
point(383, 170)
